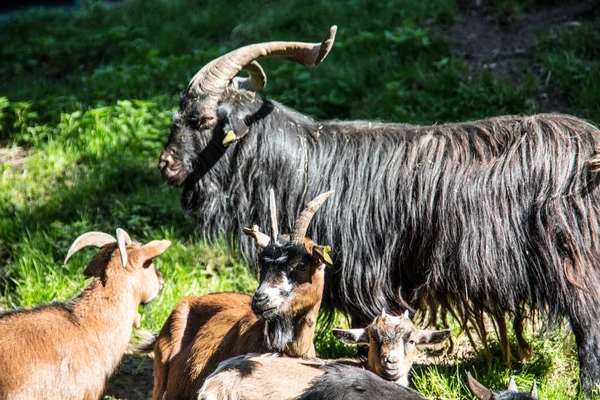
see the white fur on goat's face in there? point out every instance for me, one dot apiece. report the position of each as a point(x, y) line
point(392, 344)
point(291, 281)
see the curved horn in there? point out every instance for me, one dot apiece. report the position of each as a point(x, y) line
point(123, 240)
point(303, 220)
point(480, 391)
point(273, 216)
point(255, 82)
point(212, 80)
point(96, 239)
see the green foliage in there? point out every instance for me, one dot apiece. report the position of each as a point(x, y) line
point(572, 61)
point(86, 97)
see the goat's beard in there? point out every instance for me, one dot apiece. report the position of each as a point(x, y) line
point(279, 333)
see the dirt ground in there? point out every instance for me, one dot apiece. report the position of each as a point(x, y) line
point(502, 44)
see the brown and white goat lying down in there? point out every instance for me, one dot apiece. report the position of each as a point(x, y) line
point(392, 345)
point(281, 317)
point(68, 350)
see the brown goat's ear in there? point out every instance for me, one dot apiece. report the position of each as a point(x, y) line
point(323, 253)
point(427, 336)
point(150, 250)
point(480, 391)
point(352, 336)
point(94, 268)
point(262, 240)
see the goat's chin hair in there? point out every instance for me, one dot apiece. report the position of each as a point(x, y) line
point(280, 333)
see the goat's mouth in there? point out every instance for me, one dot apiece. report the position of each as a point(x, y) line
point(174, 173)
point(390, 374)
point(265, 314)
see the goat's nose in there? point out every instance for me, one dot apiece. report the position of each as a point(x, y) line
point(165, 160)
point(260, 296)
point(391, 359)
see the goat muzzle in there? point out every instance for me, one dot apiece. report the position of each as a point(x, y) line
point(172, 171)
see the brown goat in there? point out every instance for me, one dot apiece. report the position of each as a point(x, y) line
point(392, 342)
point(281, 316)
point(68, 350)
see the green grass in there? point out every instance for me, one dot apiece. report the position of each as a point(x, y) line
point(86, 97)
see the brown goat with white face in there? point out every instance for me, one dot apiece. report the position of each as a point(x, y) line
point(392, 344)
point(68, 350)
point(281, 317)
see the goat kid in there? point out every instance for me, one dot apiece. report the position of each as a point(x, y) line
point(69, 350)
point(281, 317)
point(392, 344)
point(512, 393)
point(271, 377)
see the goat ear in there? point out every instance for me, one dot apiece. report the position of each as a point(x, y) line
point(94, 268)
point(480, 391)
point(234, 129)
point(352, 336)
point(323, 253)
point(262, 240)
point(427, 336)
point(153, 249)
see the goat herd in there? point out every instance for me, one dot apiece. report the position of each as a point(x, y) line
point(498, 215)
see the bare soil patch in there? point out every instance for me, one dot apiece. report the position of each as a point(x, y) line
point(14, 157)
point(504, 45)
point(133, 380)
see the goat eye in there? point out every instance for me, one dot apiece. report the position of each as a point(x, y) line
point(411, 342)
point(301, 267)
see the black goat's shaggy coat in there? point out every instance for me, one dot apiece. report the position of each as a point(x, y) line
point(483, 215)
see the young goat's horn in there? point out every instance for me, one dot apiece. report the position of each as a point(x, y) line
point(123, 240)
point(306, 215)
point(273, 216)
point(512, 385)
point(95, 239)
point(533, 393)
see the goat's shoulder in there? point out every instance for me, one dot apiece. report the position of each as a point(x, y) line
point(195, 317)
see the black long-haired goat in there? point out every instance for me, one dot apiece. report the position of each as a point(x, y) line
point(488, 215)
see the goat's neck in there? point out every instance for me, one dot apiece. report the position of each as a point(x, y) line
point(106, 310)
point(304, 332)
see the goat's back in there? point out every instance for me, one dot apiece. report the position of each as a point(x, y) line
point(44, 353)
point(261, 377)
point(199, 334)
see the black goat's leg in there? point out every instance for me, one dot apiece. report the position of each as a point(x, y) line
point(587, 334)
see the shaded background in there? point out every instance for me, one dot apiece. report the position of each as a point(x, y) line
point(87, 92)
